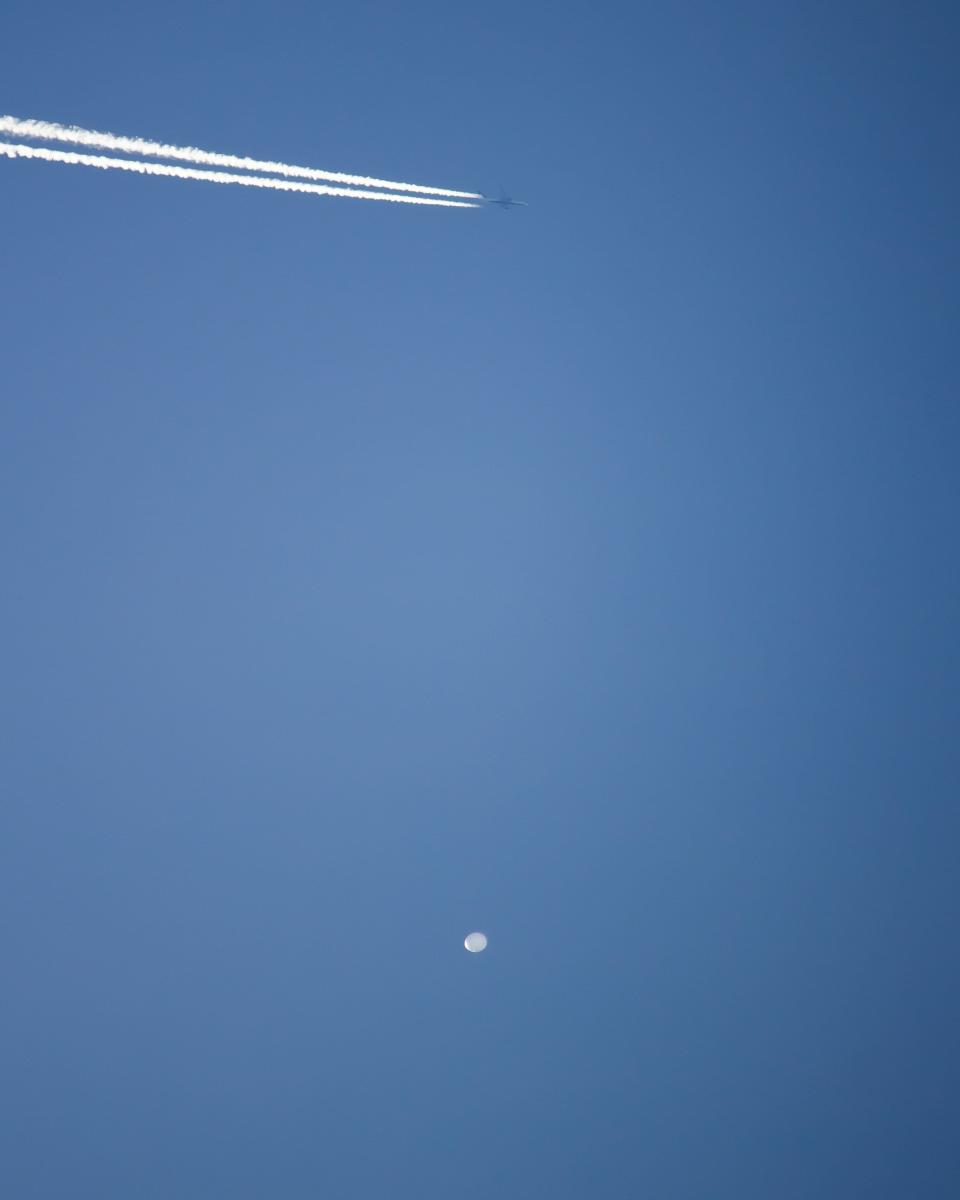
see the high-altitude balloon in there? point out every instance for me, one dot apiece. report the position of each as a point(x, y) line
point(475, 942)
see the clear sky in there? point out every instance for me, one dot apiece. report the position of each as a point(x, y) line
point(585, 574)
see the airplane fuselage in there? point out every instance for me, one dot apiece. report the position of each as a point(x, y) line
point(505, 202)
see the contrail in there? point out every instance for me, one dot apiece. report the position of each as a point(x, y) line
point(51, 132)
point(14, 150)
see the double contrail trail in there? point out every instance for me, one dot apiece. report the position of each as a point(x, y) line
point(71, 135)
point(14, 150)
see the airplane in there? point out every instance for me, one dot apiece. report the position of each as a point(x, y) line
point(504, 201)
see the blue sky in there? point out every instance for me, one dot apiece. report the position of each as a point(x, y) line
point(585, 574)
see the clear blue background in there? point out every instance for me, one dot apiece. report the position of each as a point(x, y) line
point(586, 574)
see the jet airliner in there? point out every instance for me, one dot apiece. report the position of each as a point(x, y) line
point(504, 201)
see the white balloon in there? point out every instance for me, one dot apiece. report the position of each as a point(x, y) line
point(475, 942)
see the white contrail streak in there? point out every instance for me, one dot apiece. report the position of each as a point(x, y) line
point(13, 150)
point(49, 131)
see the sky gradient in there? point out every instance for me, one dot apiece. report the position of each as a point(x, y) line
point(586, 574)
